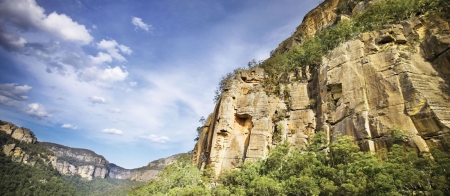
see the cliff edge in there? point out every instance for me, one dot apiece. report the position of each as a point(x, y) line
point(389, 82)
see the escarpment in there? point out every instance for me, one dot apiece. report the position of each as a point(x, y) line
point(20, 144)
point(18, 133)
point(82, 162)
point(379, 86)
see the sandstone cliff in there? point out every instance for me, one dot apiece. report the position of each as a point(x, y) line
point(18, 133)
point(82, 162)
point(393, 79)
point(21, 145)
point(88, 164)
point(120, 173)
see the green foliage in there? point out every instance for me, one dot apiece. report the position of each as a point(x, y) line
point(21, 179)
point(280, 67)
point(224, 82)
point(344, 171)
point(277, 133)
point(200, 128)
point(397, 135)
point(100, 186)
point(179, 178)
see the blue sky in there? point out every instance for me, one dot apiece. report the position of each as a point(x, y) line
point(129, 79)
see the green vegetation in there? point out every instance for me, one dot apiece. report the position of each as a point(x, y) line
point(179, 178)
point(311, 51)
point(224, 82)
point(342, 170)
point(281, 67)
point(100, 186)
point(20, 179)
point(200, 128)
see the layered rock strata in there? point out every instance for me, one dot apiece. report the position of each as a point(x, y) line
point(120, 173)
point(22, 137)
point(76, 161)
point(393, 79)
point(18, 133)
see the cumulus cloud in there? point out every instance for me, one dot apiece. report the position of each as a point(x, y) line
point(21, 17)
point(97, 99)
point(36, 110)
point(64, 27)
point(69, 126)
point(26, 14)
point(113, 48)
point(100, 58)
point(137, 22)
point(108, 74)
point(113, 74)
point(113, 131)
point(155, 138)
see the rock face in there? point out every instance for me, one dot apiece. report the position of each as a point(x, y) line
point(18, 133)
point(20, 144)
point(117, 172)
point(82, 162)
point(88, 165)
point(153, 168)
point(71, 161)
point(368, 87)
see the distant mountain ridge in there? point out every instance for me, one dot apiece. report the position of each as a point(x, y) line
point(76, 161)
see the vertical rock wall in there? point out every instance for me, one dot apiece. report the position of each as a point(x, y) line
point(394, 79)
point(75, 161)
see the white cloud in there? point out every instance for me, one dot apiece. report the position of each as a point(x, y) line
point(108, 74)
point(14, 91)
point(113, 74)
point(69, 126)
point(125, 49)
point(64, 27)
point(100, 58)
point(137, 22)
point(97, 99)
point(112, 47)
point(155, 138)
point(37, 110)
point(26, 14)
point(132, 84)
point(113, 131)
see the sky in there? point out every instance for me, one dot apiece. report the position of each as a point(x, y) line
point(129, 79)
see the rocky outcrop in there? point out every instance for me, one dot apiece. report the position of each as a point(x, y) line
point(392, 80)
point(20, 144)
point(76, 161)
point(153, 168)
point(324, 15)
point(120, 173)
point(19, 133)
point(88, 165)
